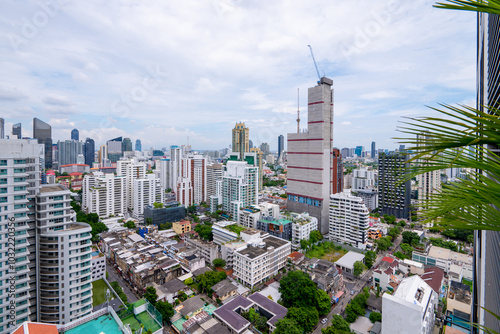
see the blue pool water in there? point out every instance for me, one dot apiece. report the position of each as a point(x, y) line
point(104, 324)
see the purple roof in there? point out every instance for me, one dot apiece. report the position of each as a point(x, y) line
point(227, 312)
point(273, 307)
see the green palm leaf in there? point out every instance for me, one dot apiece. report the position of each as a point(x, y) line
point(485, 6)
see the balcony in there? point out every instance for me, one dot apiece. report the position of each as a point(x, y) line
point(49, 295)
point(49, 319)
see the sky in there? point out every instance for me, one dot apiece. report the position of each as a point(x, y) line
point(173, 72)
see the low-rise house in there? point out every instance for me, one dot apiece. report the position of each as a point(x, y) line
point(200, 271)
point(387, 275)
point(181, 227)
point(296, 258)
point(190, 307)
point(434, 276)
point(224, 290)
point(326, 275)
point(203, 323)
point(346, 263)
point(171, 290)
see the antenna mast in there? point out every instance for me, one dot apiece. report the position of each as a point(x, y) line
point(298, 112)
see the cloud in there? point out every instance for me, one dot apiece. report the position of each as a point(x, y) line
point(10, 94)
point(57, 100)
point(346, 123)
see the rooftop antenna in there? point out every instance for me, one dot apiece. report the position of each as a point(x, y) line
point(298, 112)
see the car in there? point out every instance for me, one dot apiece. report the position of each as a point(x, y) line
point(324, 321)
point(370, 279)
point(353, 292)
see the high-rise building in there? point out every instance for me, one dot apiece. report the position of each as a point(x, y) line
point(75, 134)
point(281, 147)
point(103, 154)
point(348, 219)
point(17, 131)
point(394, 195)
point(89, 151)
point(259, 163)
point(64, 264)
point(264, 147)
point(146, 191)
point(138, 145)
point(337, 172)
point(401, 148)
point(362, 178)
point(237, 189)
point(240, 142)
point(486, 285)
point(2, 128)
point(103, 194)
point(345, 152)
point(43, 133)
point(132, 170)
point(20, 183)
point(126, 145)
point(192, 181)
point(68, 151)
point(214, 174)
point(114, 149)
point(374, 151)
point(164, 167)
point(359, 150)
point(250, 144)
point(428, 183)
point(310, 157)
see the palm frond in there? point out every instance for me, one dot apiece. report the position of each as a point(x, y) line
point(483, 6)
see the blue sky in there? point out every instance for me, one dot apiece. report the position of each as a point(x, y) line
point(163, 71)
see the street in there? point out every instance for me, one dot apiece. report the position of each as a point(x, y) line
point(115, 276)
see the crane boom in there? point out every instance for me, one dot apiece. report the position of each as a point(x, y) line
point(314, 60)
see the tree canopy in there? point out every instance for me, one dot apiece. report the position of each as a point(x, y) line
point(219, 263)
point(287, 326)
point(323, 302)
point(166, 310)
point(297, 290)
point(359, 267)
point(207, 280)
point(383, 243)
point(305, 317)
point(370, 257)
point(150, 295)
point(204, 231)
point(411, 238)
point(375, 316)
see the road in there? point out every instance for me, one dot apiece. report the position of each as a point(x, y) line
point(115, 276)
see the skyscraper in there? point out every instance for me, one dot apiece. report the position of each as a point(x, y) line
point(394, 198)
point(114, 147)
point(359, 150)
point(240, 141)
point(43, 133)
point(89, 151)
point(486, 285)
point(250, 144)
point(374, 151)
point(337, 172)
point(138, 145)
point(281, 147)
point(16, 131)
point(310, 157)
point(2, 128)
point(264, 147)
point(126, 145)
point(75, 134)
point(69, 151)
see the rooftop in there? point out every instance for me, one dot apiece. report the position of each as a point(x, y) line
point(52, 188)
point(434, 277)
point(190, 305)
point(174, 285)
point(414, 290)
point(348, 260)
point(253, 251)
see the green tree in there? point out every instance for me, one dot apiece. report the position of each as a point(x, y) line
point(410, 238)
point(340, 324)
point(407, 249)
point(287, 326)
point(323, 302)
point(129, 224)
point(305, 317)
point(393, 232)
point(358, 268)
point(261, 322)
point(383, 243)
point(315, 236)
point(166, 310)
point(370, 257)
point(204, 231)
point(150, 295)
point(375, 316)
point(219, 263)
point(209, 279)
point(304, 244)
point(157, 205)
point(400, 255)
point(297, 290)
point(191, 209)
point(149, 221)
point(333, 330)
point(188, 281)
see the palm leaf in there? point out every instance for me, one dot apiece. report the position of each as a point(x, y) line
point(483, 6)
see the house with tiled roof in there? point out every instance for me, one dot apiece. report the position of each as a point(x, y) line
point(387, 274)
point(434, 276)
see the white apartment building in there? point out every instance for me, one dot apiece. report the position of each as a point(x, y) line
point(222, 233)
point(64, 286)
point(237, 189)
point(249, 216)
point(260, 259)
point(302, 225)
point(363, 178)
point(192, 181)
point(348, 219)
point(146, 191)
point(132, 170)
point(410, 309)
point(214, 174)
point(98, 266)
point(104, 194)
point(19, 184)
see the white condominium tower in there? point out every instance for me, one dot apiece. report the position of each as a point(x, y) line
point(146, 192)
point(348, 219)
point(104, 194)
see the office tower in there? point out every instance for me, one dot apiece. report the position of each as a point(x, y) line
point(2, 128)
point(345, 153)
point(410, 309)
point(240, 140)
point(146, 191)
point(401, 148)
point(486, 291)
point(131, 170)
point(114, 149)
point(68, 151)
point(428, 183)
point(126, 145)
point(359, 150)
point(19, 184)
point(214, 174)
point(281, 147)
point(43, 133)
point(192, 181)
point(264, 147)
point(348, 219)
point(394, 195)
point(259, 163)
point(89, 151)
point(337, 172)
point(64, 262)
point(103, 154)
point(138, 145)
point(310, 157)
point(374, 151)
point(75, 135)
point(237, 189)
point(250, 144)
point(16, 131)
point(164, 168)
point(103, 194)
point(362, 178)
point(176, 155)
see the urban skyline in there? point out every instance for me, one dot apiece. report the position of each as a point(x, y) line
point(370, 71)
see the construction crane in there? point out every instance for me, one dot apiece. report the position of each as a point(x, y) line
point(314, 60)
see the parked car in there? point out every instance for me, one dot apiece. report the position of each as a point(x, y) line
point(353, 292)
point(324, 321)
point(370, 279)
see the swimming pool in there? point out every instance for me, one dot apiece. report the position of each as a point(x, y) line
point(104, 324)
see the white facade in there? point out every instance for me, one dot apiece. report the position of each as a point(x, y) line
point(249, 216)
point(410, 309)
point(132, 170)
point(348, 219)
point(363, 178)
point(98, 267)
point(146, 192)
point(214, 174)
point(192, 181)
point(260, 259)
point(302, 225)
point(104, 194)
point(64, 263)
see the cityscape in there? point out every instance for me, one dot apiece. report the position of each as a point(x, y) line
point(138, 201)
